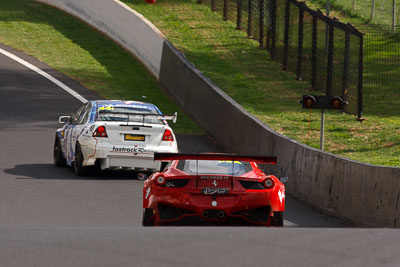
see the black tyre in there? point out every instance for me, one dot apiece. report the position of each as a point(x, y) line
point(277, 220)
point(58, 157)
point(148, 217)
point(77, 164)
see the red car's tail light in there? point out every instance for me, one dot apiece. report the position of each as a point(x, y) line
point(100, 132)
point(168, 136)
point(268, 183)
point(160, 180)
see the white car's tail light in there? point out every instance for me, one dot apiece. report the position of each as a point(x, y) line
point(160, 180)
point(268, 183)
point(168, 136)
point(100, 132)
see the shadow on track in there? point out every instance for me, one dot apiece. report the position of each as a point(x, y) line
point(51, 172)
point(299, 214)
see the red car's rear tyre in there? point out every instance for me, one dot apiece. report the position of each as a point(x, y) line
point(277, 220)
point(148, 217)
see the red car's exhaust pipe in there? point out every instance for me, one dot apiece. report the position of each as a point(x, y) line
point(205, 214)
point(221, 214)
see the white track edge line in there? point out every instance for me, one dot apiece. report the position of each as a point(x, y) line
point(44, 74)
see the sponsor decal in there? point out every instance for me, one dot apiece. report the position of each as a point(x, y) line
point(214, 177)
point(134, 137)
point(131, 150)
point(230, 161)
point(111, 107)
point(170, 184)
point(280, 195)
point(147, 193)
point(212, 191)
point(106, 108)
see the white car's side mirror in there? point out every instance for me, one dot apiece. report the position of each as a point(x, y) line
point(64, 119)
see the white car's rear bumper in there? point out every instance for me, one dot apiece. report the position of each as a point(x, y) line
point(125, 157)
point(139, 163)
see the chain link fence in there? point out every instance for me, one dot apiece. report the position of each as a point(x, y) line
point(327, 53)
point(372, 11)
point(381, 69)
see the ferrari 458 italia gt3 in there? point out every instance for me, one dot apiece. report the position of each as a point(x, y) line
point(213, 189)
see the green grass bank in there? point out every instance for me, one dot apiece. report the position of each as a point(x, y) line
point(80, 52)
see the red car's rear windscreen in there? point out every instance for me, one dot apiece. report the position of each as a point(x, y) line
point(214, 167)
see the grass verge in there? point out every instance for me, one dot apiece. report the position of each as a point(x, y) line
point(83, 54)
point(254, 80)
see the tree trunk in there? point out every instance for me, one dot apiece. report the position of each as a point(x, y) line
point(354, 5)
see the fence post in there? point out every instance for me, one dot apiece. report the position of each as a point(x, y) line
point(250, 19)
point(330, 59)
point(261, 35)
point(300, 44)
point(273, 28)
point(394, 15)
point(268, 33)
point(286, 35)
point(360, 79)
point(239, 15)
point(225, 9)
point(346, 64)
point(314, 54)
point(213, 5)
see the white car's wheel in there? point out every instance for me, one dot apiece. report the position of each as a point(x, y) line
point(58, 157)
point(79, 169)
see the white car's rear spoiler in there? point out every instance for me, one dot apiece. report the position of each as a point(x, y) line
point(173, 117)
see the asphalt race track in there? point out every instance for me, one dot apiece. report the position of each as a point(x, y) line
point(50, 217)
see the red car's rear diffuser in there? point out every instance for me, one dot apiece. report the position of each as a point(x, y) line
point(215, 156)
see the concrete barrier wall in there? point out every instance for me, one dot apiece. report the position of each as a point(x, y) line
point(123, 25)
point(359, 192)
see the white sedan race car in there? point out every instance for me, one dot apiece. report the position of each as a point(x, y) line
point(114, 134)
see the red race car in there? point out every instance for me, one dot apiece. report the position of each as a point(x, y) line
point(213, 189)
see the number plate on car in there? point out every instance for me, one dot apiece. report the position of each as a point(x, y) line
point(134, 137)
point(211, 191)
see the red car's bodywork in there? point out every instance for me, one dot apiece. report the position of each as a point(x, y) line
point(176, 197)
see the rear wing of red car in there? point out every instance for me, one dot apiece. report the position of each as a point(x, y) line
point(215, 156)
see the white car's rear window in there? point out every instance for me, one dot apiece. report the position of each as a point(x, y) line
point(127, 114)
